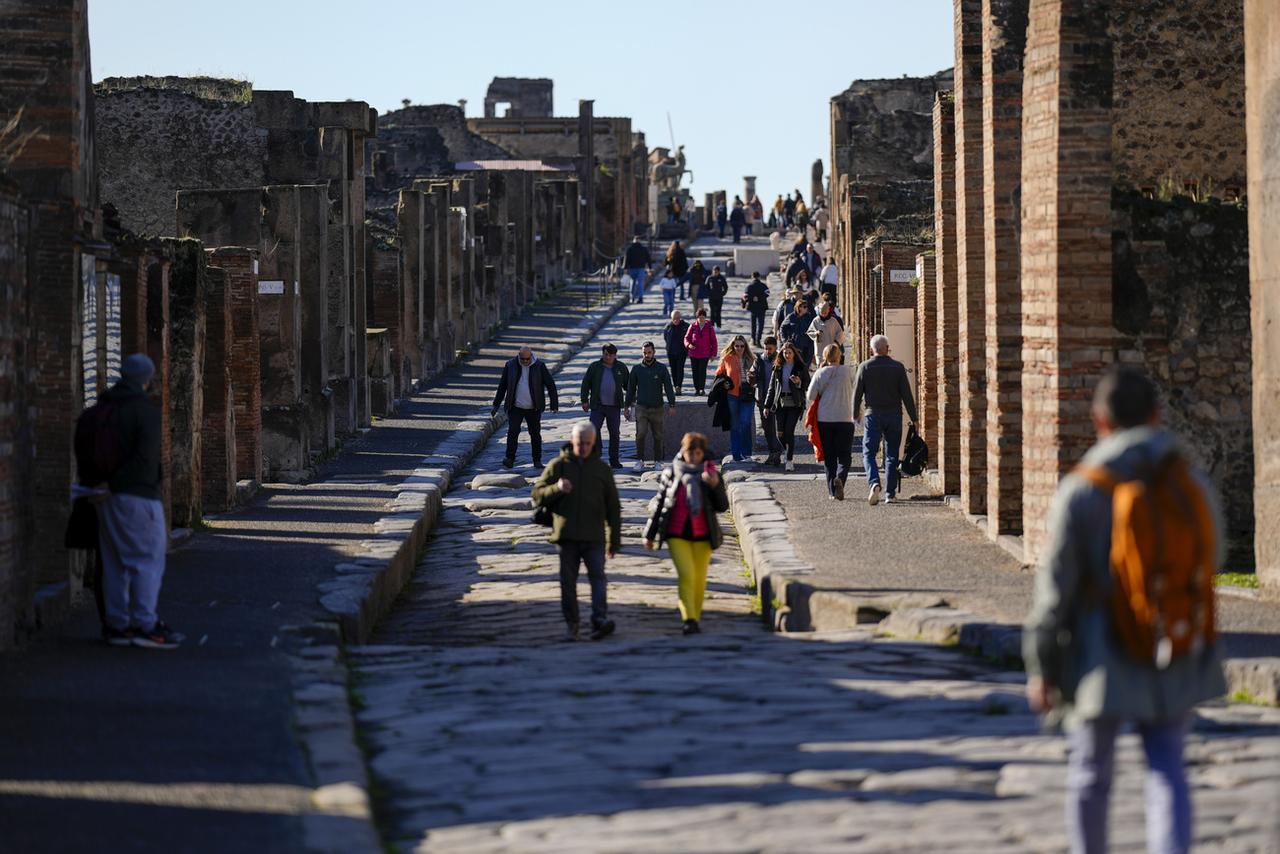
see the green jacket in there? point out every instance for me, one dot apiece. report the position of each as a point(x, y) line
point(583, 513)
point(648, 383)
point(591, 384)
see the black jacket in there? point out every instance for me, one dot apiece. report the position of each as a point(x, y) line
point(718, 396)
point(637, 256)
point(773, 396)
point(137, 423)
point(673, 334)
point(540, 382)
point(737, 217)
point(756, 298)
point(883, 382)
point(717, 286)
point(697, 275)
point(714, 500)
point(796, 330)
point(679, 262)
point(797, 266)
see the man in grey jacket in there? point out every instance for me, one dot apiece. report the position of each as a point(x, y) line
point(883, 384)
point(1090, 681)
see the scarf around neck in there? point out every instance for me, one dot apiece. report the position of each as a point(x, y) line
point(688, 477)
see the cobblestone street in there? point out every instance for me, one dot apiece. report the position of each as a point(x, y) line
point(486, 733)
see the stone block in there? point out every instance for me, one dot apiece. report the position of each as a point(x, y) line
point(693, 415)
point(748, 260)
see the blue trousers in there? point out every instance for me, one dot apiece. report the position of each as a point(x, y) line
point(886, 428)
point(1090, 763)
point(668, 300)
point(637, 275)
point(740, 430)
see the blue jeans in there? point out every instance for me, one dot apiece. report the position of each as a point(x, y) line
point(740, 430)
point(681, 281)
point(889, 429)
point(668, 300)
point(1090, 762)
point(637, 275)
point(574, 553)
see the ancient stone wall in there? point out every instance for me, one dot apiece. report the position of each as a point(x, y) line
point(240, 265)
point(218, 431)
point(1180, 305)
point(525, 97)
point(946, 440)
point(187, 307)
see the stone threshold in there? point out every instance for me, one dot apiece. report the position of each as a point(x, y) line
point(793, 600)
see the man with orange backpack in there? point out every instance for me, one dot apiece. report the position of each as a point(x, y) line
point(1122, 627)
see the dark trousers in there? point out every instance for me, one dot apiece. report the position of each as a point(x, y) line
point(720, 228)
point(757, 325)
point(787, 418)
point(717, 305)
point(574, 553)
point(611, 416)
point(737, 234)
point(699, 374)
point(531, 417)
point(676, 361)
point(770, 426)
point(837, 450)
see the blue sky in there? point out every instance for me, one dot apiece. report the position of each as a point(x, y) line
point(747, 83)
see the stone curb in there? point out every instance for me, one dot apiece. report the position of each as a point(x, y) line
point(792, 600)
point(364, 587)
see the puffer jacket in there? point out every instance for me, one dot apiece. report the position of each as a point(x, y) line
point(714, 500)
point(701, 341)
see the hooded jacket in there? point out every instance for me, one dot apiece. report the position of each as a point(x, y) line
point(583, 514)
point(540, 382)
point(137, 424)
point(1095, 674)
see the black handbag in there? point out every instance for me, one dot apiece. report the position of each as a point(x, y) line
point(915, 456)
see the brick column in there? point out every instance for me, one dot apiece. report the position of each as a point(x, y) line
point(218, 435)
point(946, 439)
point(16, 487)
point(970, 256)
point(1262, 108)
point(1066, 243)
point(1004, 33)
point(186, 379)
point(927, 345)
point(240, 265)
point(158, 337)
point(409, 218)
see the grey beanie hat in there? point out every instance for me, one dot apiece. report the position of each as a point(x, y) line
point(138, 368)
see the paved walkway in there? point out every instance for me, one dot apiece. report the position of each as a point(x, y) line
point(217, 715)
point(486, 733)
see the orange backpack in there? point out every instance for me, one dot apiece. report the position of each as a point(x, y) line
point(1162, 561)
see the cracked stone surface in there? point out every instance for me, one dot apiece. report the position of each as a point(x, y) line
point(486, 733)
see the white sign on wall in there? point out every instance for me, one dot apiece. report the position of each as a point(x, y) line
point(269, 286)
point(901, 277)
point(900, 327)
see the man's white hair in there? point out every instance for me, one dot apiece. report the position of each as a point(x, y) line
point(879, 344)
point(585, 428)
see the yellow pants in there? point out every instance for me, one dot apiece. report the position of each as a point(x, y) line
point(691, 557)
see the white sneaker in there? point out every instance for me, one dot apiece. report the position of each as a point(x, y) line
point(873, 498)
point(790, 466)
point(888, 499)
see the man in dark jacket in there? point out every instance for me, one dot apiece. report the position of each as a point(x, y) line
point(673, 335)
point(636, 262)
point(580, 489)
point(717, 289)
point(883, 383)
point(796, 330)
point(761, 377)
point(755, 299)
point(648, 384)
point(794, 269)
point(722, 217)
point(737, 219)
point(678, 261)
point(132, 532)
point(604, 390)
point(523, 387)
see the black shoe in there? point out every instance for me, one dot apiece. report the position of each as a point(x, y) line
point(508, 464)
point(571, 631)
point(837, 489)
point(691, 628)
point(615, 465)
point(160, 637)
point(602, 630)
point(774, 460)
point(537, 464)
point(118, 637)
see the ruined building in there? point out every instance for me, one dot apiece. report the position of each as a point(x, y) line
point(523, 98)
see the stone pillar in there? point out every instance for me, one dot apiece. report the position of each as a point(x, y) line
point(1066, 244)
point(587, 176)
point(218, 433)
point(286, 447)
point(187, 303)
point(409, 234)
point(325, 356)
point(815, 183)
point(240, 265)
point(16, 435)
point(748, 190)
point(927, 344)
point(946, 439)
point(158, 336)
point(1004, 33)
point(1262, 108)
point(328, 306)
point(360, 283)
point(970, 256)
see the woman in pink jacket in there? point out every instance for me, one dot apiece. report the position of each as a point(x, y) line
point(700, 341)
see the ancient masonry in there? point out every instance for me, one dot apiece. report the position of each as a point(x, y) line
point(293, 268)
point(1086, 207)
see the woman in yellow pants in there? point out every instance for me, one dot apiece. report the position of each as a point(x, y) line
point(683, 513)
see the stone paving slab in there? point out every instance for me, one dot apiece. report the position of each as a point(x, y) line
point(487, 734)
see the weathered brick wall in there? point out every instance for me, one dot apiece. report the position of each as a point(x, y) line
point(218, 433)
point(1179, 93)
point(971, 255)
point(1066, 243)
point(1180, 302)
point(1262, 35)
point(387, 301)
point(187, 306)
point(1004, 30)
point(927, 346)
point(153, 142)
point(17, 576)
point(239, 265)
point(946, 441)
point(158, 340)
